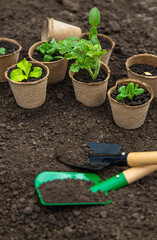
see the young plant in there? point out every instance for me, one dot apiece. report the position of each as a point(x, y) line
point(86, 53)
point(24, 71)
point(2, 51)
point(48, 49)
point(130, 91)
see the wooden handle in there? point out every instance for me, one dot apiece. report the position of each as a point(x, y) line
point(142, 158)
point(135, 173)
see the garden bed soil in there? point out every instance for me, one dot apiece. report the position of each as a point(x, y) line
point(143, 69)
point(10, 47)
point(31, 79)
point(136, 101)
point(84, 76)
point(29, 139)
point(70, 191)
point(39, 56)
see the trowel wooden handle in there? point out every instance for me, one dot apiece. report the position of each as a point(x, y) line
point(142, 158)
point(135, 173)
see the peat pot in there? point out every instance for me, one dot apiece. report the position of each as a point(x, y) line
point(105, 57)
point(57, 68)
point(9, 59)
point(59, 30)
point(129, 117)
point(29, 94)
point(91, 94)
point(146, 59)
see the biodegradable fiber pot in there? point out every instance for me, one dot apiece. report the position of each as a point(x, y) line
point(147, 59)
point(8, 60)
point(29, 94)
point(129, 117)
point(91, 94)
point(57, 68)
point(106, 57)
point(59, 30)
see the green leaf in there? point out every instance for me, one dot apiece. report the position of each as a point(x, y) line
point(53, 42)
point(74, 67)
point(95, 41)
point(41, 48)
point(136, 86)
point(25, 66)
point(2, 51)
point(37, 72)
point(138, 91)
point(121, 96)
point(94, 17)
point(47, 58)
point(130, 87)
point(121, 89)
point(73, 39)
point(58, 57)
point(17, 75)
point(51, 51)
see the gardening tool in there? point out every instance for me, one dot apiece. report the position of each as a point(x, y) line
point(105, 155)
point(116, 182)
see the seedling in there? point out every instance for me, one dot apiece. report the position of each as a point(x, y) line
point(2, 51)
point(24, 71)
point(86, 53)
point(48, 49)
point(129, 91)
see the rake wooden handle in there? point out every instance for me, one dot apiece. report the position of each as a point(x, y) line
point(135, 173)
point(142, 158)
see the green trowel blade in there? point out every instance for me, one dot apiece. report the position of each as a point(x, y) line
point(44, 177)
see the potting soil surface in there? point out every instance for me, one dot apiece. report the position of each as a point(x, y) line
point(83, 76)
point(31, 79)
point(70, 191)
point(136, 101)
point(30, 139)
point(39, 56)
point(10, 47)
point(144, 69)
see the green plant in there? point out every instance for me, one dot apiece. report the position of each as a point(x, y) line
point(86, 53)
point(24, 71)
point(48, 49)
point(130, 91)
point(2, 51)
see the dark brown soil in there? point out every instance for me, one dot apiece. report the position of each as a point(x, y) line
point(84, 76)
point(10, 47)
point(29, 139)
point(142, 68)
point(137, 100)
point(31, 79)
point(39, 56)
point(70, 191)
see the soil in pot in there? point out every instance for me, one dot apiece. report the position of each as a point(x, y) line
point(31, 79)
point(143, 69)
point(137, 100)
point(70, 191)
point(105, 44)
point(84, 76)
point(39, 56)
point(9, 46)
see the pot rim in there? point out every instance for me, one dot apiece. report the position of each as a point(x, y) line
point(104, 36)
point(28, 83)
point(12, 41)
point(33, 47)
point(105, 68)
point(126, 80)
point(136, 56)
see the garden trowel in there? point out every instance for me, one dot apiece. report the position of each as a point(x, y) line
point(104, 155)
point(116, 182)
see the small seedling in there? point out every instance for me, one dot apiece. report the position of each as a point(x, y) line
point(2, 51)
point(129, 91)
point(86, 53)
point(24, 71)
point(48, 49)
